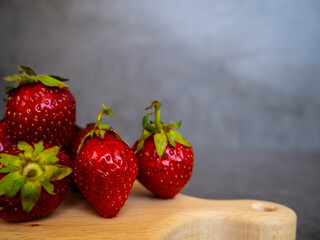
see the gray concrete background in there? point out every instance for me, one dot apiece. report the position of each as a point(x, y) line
point(243, 76)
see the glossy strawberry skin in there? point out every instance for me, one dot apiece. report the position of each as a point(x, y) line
point(165, 176)
point(76, 141)
point(104, 171)
point(11, 208)
point(6, 140)
point(37, 112)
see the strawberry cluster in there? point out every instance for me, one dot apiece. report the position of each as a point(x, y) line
point(42, 150)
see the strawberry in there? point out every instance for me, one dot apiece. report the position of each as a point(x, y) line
point(105, 168)
point(6, 140)
point(34, 181)
point(165, 157)
point(77, 139)
point(40, 107)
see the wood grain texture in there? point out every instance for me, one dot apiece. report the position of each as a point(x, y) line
point(147, 217)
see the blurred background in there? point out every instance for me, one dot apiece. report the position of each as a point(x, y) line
point(243, 76)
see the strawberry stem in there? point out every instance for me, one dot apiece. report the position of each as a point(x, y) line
point(157, 105)
point(101, 129)
point(162, 133)
point(27, 75)
point(106, 111)
point(34, 168)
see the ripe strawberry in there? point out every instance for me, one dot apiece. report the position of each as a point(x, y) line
point(164, 168)
point(34, 181)
point(76, 141)
point(40, 107)
point(105, 168)
point(6, 140)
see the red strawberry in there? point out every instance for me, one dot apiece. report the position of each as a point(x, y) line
point(34, 181)
point(105, 168)
point(6, 140)
point(75, 143)
point(40, 107)
point(165, 157)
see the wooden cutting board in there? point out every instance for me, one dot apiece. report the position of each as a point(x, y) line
point(147, 217)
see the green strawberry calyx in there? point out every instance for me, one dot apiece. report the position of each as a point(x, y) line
point(34, 168)
point(29, 76)
point(100, 129)
point(162, 133)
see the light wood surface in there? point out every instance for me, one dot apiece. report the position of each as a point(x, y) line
point(147, 217)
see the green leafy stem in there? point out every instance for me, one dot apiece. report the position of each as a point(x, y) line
point(34, 168)
point(161, 132)
point(100, 129)
point(29, 76)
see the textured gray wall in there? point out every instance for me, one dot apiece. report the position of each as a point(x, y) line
point(241, 75)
